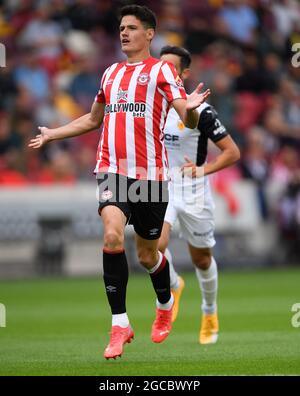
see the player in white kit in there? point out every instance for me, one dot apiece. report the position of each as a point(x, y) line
point(190, 199)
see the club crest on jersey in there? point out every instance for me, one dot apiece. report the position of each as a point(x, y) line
point(122, 95)
point(143, 79)
point(106, 195)
point(178, 81)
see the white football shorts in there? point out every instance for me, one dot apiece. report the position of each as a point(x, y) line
point(196, 222)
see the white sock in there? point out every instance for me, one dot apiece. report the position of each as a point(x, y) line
point(208, 282)
point(120, 320)
point(167, 306)
point(174, 282)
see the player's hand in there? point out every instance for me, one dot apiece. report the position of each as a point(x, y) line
point(41, 139)
point(196, 98)
point(190, 169)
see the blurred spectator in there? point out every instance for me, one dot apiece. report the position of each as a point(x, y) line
point(283, 117)
point(59, 169)
point(22, 12)
point(222, 99)
point(31, 76)
point(8, 88)
point(11, 160)
point(82, 15)
point(45, 36)
point(7, 140)
point(239, 21)
point(255, 164)
point(284, 166)
point(258, 77)
point(289, 219)
point(273, 71)
point(85, 161)
point(82, 87)
point(199, 19)
point(286, 12)
point(106, 17)
point(170, 16)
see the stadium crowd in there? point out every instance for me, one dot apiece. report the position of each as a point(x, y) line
point(242, 50)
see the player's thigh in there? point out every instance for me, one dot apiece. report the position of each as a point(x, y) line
point(114, 221)
point(164, 237)
point(147, 216)
point(201, 257)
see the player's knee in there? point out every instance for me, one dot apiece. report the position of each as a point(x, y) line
point(147, 257)
point(202, 260)
point(113, 240)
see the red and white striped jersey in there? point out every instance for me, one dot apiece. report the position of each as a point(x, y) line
point(137, 99)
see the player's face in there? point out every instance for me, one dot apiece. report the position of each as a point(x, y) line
point(175, 59)
point(134, 36)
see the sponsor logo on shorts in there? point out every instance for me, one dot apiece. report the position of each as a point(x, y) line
point(202, 235)
point(154, 231)
point(106, 195)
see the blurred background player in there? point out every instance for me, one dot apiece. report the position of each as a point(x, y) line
point(132, 102)
point(190, 199)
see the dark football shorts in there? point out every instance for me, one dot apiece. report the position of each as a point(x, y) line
point(143, 202)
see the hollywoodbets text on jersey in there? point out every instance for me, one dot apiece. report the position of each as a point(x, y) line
point(137, 109)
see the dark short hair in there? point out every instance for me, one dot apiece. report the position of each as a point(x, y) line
point(185, 56)
point(143, 13)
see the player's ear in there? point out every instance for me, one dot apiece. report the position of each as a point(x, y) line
point(150, 34)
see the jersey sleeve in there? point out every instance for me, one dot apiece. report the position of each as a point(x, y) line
point(100, 97)
point(210, 125)
point(170, 83)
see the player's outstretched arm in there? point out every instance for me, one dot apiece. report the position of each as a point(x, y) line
point(186, 109)
point(81, 125)
point(230, 153)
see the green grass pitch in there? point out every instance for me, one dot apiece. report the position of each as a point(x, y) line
point(61, 326)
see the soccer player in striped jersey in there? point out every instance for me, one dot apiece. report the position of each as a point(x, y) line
point(190, 199)
point(133, 102)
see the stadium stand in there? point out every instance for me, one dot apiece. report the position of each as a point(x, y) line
point(242, 50)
